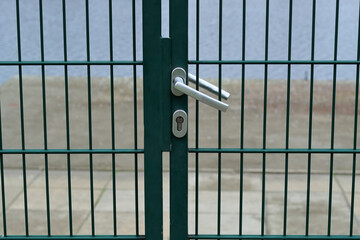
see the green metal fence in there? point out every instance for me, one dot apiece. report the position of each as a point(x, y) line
point(160, 56)
point(69, 152)
point(286, 151)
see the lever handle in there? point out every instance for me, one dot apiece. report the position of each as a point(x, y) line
point(179, 87)
point(208, 86)
point(182, 87)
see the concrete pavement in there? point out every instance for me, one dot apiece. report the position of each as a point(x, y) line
point(125, 192)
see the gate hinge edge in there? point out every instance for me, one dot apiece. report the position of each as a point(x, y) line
point(166, 116)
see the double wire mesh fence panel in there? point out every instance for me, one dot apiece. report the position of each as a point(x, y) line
point(280, 164)
point(278, 159)
point(73, 141)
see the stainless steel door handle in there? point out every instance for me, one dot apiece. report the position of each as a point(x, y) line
point(208, 86)
point(179, 87)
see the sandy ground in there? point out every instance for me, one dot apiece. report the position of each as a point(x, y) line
point(208, 137)
point(208, 122)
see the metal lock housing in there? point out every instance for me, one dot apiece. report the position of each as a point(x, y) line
point(179, 123)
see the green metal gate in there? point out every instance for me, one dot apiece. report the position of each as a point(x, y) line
point(160, 57)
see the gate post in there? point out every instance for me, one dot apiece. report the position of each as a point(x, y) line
point(152, 113)
point(179, 151)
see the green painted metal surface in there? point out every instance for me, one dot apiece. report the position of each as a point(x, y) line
point(287, 150)
point(152, 116)
point(178, 153)
point(69, 151)
point(160, 56)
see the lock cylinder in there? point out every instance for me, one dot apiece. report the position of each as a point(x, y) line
point(179, 123)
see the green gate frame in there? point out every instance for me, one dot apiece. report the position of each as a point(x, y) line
point(160, 56)
point(158, 101)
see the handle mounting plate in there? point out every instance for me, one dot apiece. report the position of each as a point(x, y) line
point(177, 72)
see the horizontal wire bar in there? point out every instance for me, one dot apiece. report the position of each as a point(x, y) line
point(70, 151)
point(333, 237)
point(82, 237)
point(272, 150)
point(40, 63)
point(66, 63)
point(274, 62)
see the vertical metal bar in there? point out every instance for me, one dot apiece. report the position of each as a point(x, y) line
point(44, 117)
point(197, 119)
point(219, 120)
point(264, 120)
point(242, 117)
point(287, 118)
point(26, 215)
point(67, 117)
point(152, 101)
point(2, 180)
point(135, 120)
point(90, 119)
point(310, 119)
point(333, 118)
point(113, 166)
point(179, 151)
point(352, 204)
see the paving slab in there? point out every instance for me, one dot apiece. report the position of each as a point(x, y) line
point(58, 199)
point(229, 181)
point(345, 181)
point(208, 202)
point(126, 224)
point(38, 222)
point(79, 179)
point(296, 216)
point(229, 223)
point(14, 177)
point(125, 180)
point(125, 201)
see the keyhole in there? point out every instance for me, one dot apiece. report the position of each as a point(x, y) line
point(179, 121)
